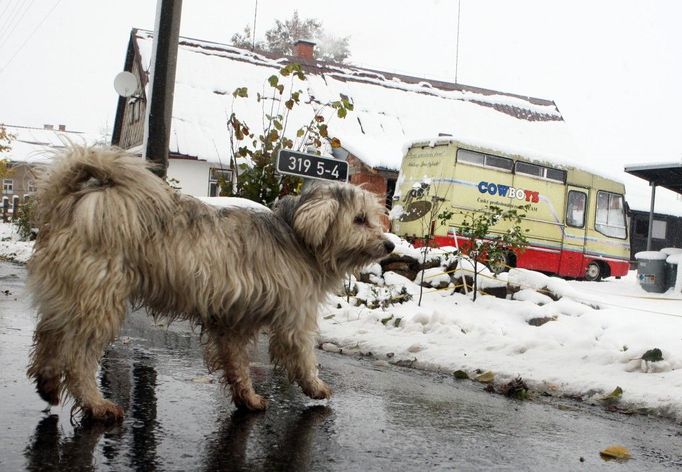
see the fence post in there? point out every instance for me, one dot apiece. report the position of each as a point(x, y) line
point(15, 207)
point(5, 209)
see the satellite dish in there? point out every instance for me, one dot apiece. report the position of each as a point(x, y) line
point(126, 84)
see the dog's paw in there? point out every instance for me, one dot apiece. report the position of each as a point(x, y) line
point(318, 391)
point(107, 412)
point(48, 388)
point(251, 402)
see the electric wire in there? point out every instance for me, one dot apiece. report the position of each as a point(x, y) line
point(4, 37)
point(16, 53)
point(13, 10)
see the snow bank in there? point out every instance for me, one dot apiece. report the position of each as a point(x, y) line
point(11, 247)
point(587, 343)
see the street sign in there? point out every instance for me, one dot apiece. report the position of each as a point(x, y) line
point(311, 166)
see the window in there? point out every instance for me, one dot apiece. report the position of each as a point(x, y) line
point(487, 160)
point(31, 186)
point(575, 209)
point(529, 169)
point(8, 186)
point(659, 229)
point(215, 177)
point(555, 174)
point(641, 228)
point(499, 162)
point(390, 191)
point(610, 217)
point(540, 171)
point(470, 157)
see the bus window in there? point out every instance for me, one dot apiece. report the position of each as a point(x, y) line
point(540, 171)
point(556, 174)
point(470, 157)
point(528, 169)
point(575, 209)
point(610, 218)
point(499, 162)
point(486, 160)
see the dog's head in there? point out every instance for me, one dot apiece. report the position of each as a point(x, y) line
point(340, 224)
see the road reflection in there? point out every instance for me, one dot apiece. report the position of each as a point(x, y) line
point(48, 450)
point(248, 441)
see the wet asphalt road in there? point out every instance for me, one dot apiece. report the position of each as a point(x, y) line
point(380, 418)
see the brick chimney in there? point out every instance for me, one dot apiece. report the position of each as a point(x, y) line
point(62, 127)
point(48, 127)
point(304, 49)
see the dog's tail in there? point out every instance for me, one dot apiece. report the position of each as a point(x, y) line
point(108, 195)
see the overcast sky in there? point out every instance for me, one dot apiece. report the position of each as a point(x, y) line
point(614, 67)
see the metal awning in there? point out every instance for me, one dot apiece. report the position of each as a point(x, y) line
point(661, 175)
point(666, 175)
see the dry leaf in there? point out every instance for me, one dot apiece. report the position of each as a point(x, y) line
point(486, 377)
point(615, 452)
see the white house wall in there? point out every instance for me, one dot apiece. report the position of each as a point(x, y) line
point(191, 175)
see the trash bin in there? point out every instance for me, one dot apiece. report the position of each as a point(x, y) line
point(651, 272)
point(671, 264)
point(671, 267)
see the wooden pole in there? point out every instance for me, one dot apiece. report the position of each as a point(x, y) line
point(160, 101)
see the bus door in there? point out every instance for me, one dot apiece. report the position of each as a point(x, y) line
point(575, 226)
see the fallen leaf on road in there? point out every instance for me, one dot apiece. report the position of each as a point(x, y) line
point(615, 452)
point(486, 377)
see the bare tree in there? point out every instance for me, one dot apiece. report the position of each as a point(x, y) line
point(281, 37)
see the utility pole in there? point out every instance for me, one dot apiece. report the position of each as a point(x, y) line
point(160, 101)
point(459, 13)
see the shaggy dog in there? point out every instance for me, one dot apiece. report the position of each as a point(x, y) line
point(112, 234)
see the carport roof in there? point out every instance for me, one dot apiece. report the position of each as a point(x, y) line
point(666, 175)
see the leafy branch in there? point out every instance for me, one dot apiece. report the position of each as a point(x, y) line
point(490, 247)
point(253, 154)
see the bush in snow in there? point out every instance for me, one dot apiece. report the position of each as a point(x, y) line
point(253, 154)
point(376, 294)
point(490, 247)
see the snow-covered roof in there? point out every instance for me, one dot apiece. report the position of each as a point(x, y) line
point(389, 110)
point(33, 145)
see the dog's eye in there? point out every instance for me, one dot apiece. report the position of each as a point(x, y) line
point(360, 219)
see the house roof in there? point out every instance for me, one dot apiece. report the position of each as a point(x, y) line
point(389, 111)
point(33, 145)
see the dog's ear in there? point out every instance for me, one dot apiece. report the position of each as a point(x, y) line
point(313, 218)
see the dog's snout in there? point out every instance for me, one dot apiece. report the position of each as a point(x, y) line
point(389, 246)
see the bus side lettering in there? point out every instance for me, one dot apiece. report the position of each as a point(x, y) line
point(507, 191)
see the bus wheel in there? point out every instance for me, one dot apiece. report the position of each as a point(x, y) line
point(593, 272)
point(500, 263)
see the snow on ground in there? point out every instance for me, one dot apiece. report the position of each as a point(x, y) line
point(11, 247)
point(592, 341)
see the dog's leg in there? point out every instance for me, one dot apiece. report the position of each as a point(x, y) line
point(75, 327)
point(229, 352)
point(295, 351)
point(45, 367)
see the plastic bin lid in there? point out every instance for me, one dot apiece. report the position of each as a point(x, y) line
point(671, 250)
point(674, 258)
point(651, 256)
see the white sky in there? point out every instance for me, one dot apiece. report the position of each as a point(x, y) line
point(613, 67)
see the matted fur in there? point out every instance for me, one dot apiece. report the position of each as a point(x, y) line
point(113, 234)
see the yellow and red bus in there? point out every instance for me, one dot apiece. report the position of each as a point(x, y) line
point(576, 219)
